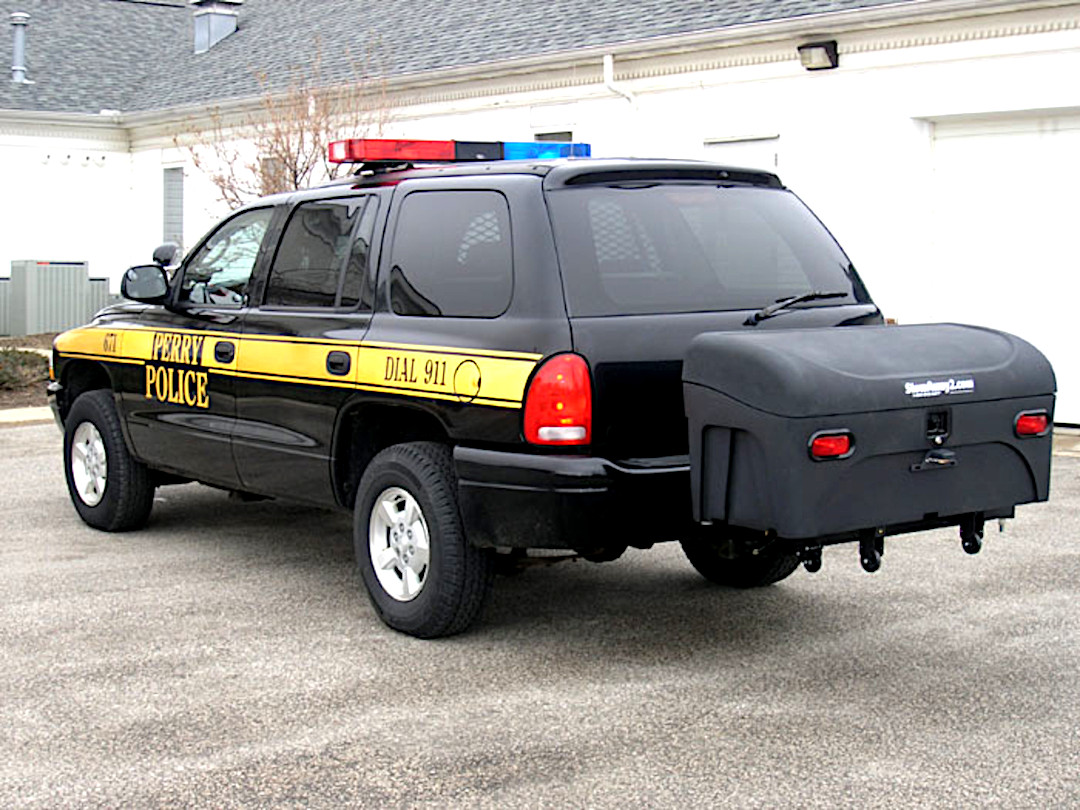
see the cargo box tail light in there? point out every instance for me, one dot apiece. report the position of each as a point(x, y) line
point(832, 444)
point(376, 150)
point(1029, 424)
point(558, 405)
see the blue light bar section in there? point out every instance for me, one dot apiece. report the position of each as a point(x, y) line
point(532, 150)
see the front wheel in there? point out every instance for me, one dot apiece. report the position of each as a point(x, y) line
point(111, 491)
point(421, 574)
point(771, 564)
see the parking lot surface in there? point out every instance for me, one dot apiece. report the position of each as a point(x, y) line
point(226, 656)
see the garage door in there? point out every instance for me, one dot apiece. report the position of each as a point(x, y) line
point(761, 152)
point(1006, 247)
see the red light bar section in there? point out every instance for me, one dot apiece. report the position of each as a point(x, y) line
point(364, 150)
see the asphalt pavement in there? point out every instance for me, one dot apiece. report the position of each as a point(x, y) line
point(226, 657)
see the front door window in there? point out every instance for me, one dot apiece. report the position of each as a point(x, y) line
point(219, 273)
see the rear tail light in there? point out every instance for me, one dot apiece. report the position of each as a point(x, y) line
point(831, 445)
point(1032, 423)
point(558, 406)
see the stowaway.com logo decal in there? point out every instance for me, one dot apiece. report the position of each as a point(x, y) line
point(931, 388)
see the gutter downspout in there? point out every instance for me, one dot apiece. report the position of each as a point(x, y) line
point(19, 21)
point(609, 80)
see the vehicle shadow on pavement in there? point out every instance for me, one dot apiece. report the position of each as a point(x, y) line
point(647, 607)
point(646, 601)
point(196, 509)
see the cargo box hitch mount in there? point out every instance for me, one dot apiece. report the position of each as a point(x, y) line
point(810, 557)
point(871, 549)
point(971, 532)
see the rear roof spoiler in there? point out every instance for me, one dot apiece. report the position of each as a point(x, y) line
point(577, 173)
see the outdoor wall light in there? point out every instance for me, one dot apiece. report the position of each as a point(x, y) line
point(819, 55)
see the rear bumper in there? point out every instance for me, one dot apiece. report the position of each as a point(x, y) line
point(521, 500)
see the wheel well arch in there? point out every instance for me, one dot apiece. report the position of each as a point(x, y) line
point(78, 377)
point(366, 428)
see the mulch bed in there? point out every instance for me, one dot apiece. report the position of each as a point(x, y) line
point(28, 341)
point(23, 375)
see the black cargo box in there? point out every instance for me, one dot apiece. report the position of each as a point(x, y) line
point(930, 413)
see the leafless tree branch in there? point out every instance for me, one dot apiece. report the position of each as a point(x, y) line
point(282, 144)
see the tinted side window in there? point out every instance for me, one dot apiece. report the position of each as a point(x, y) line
point(218, 274)
point(317, 249)
point(452, 255)
point(358, 286)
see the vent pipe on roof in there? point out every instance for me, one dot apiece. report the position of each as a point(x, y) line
point(19, 21)
point(214, 20)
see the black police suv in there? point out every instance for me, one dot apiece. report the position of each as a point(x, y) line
point(489, 356)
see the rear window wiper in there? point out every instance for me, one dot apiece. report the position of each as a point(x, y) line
point(784, 303)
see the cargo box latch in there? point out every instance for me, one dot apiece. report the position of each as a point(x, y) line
point(936, 459)
point(937, 427)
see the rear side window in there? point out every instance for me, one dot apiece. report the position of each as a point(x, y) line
point(452, 255)
point(665, 248)
point(322, 260)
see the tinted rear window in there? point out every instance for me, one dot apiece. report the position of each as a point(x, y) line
point(690, 248)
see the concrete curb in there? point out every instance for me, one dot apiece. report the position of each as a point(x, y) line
point(25, 416)
point(42, 352)
point(1067, 442)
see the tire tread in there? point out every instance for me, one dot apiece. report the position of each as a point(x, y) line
point(129, 490)
point(467, 572)
point(742, 572)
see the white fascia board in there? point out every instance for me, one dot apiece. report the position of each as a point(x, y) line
point(1068, 116)
point(62, 120)
point(103, 132)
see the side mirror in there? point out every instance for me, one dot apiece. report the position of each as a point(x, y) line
point(146, 283)
point(167, 254)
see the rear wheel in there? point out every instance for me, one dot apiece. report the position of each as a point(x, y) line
point(421, 574)
point(603, 554)
point(771, 564)
point(111, 491)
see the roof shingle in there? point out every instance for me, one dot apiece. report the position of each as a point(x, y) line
point(137, 55)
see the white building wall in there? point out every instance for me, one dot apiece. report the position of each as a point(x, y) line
point(66, 195)
point(856, 143)
point(202, 208)
point(77, 192)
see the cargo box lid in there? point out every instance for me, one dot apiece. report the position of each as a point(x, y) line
point(818, 372)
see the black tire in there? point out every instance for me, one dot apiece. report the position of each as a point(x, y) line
point(457, 578)
point(125, 501)
point(770, 565)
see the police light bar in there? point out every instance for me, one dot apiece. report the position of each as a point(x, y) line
point(369, 150)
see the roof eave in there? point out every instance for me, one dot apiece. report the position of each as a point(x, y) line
point(110, 120)
point(831, 23)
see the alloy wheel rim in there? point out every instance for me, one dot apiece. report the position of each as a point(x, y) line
point(400, 544)
point(89, 464)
